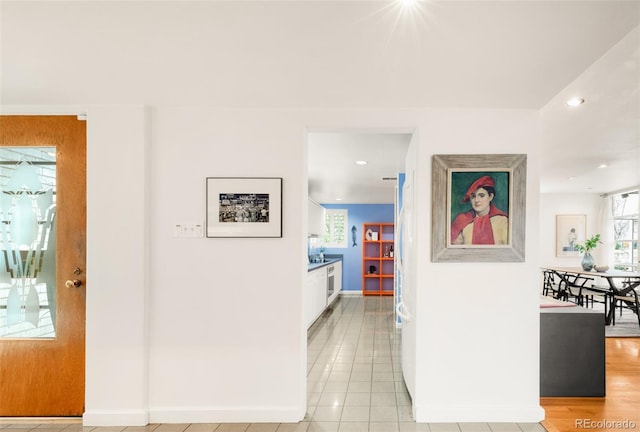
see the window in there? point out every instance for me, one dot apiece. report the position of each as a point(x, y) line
point(625, 228)
point(335, 229)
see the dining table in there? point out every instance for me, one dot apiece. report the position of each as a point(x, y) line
point(621, 285)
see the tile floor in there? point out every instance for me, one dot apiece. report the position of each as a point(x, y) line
point(354, 383)
point(354, 379)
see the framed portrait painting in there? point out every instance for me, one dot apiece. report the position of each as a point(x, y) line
point(571, 230)
point(244, 207)
point(478, 208)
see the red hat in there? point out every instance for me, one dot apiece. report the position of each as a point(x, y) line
point(481, 182)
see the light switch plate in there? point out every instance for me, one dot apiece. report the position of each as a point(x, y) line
point(188, 230)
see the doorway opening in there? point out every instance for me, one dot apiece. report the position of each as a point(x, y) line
point(355, 174)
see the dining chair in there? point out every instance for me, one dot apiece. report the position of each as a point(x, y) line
point(630, 301)
point(573, 288)
point(549, 284)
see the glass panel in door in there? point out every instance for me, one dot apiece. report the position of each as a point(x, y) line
point(27, 242)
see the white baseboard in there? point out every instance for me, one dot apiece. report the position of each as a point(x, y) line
point(191, 415)
point(225, 415)
point(351, 293)
point(115, 418)
point(479, 414)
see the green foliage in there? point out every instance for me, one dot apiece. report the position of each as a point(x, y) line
point(589, 245)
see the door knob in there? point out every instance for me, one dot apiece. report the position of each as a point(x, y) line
point(73, 283)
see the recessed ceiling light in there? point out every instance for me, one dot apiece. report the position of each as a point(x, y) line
point(603, 165)
point(338, 199)
point(361, 162)
point(575, 101)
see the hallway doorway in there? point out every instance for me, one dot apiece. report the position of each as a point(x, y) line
point(356, 171)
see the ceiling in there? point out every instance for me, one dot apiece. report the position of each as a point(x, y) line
point(328, 55)
point(335, 177)
point(601, 65)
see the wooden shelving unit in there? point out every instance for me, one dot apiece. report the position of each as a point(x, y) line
point(378, 258)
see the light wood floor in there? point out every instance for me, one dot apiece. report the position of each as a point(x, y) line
point(622, 402)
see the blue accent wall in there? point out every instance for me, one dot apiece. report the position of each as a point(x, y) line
point(358, 214)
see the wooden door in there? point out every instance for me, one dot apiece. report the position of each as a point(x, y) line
point(45, 376)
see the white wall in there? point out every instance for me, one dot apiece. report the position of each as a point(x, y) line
point(499, 292)
point(227, 335)
point(551, 205)
point(117, 266)
point(209, 330)
point(478, 325)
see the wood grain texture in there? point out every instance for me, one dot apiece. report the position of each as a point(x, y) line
point(441, 165)
point(46, 377)
point(621, 404)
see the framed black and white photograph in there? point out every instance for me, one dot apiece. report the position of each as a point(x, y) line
point(571, 230)
point(478, 208)
point(244, 207)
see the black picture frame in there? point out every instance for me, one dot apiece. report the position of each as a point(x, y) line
point(244, 207)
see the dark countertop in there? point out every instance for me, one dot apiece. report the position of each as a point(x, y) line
point(327, 261)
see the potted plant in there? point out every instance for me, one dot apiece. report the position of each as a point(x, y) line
point(586, 248)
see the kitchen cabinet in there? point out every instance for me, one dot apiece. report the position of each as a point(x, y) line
point(337, 281)
point(316, 219)
point(378, 262)
point(316, 288)
point(315, 293)
point(572, 352)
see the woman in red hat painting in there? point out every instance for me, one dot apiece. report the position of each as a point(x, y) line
point(484, 224)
